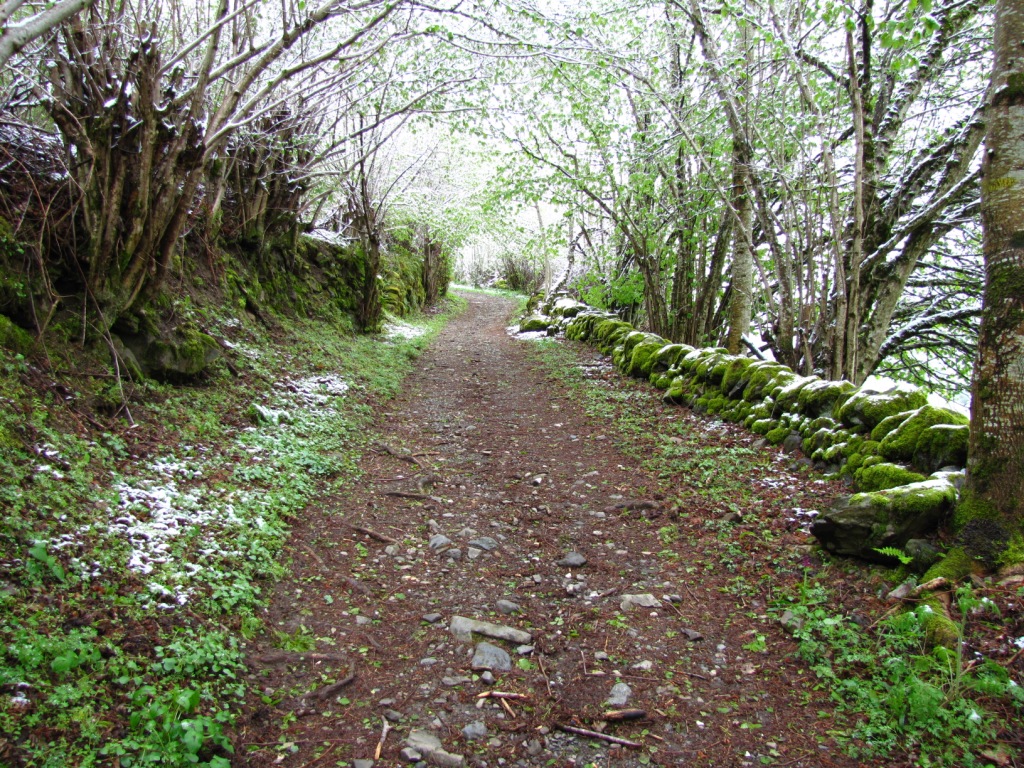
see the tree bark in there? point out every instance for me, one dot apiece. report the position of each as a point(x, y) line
point(995, 483)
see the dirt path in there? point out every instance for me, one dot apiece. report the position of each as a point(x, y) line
point(487, 477)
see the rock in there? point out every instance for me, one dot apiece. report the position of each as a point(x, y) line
point(573, 560)
point(393, 715)
point(427, 746)
point(790, 622)
point(432, 618)
point(793, 442)
point(619, 695)
point(692, 635)
point(869, 521)
point(507, 607)
point(925, 555)
point(901, 592)
point(411, 755)
point(392, 549)
point(439, 541)
point(485, 543)
point(882, 476)
point(473, 553)
point(534, 747)
point(453, 554)
point(487, 677)
point(463, 628)
point(475, 730)
point(451, 682)
point(534, 324)
point(429, 661)
point(867, 408)
point(362, 764)
point(491, 657)
point(643, 666)
point(524, 650)
point(646, 600)
point(18, 340)
point(183, 354)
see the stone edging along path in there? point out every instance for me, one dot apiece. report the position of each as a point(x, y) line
point(903, 449)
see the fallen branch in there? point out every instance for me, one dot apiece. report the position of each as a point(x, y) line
point(597, 735)
point(502, 695)
point(398, 454)
point(620, 715)
point(508, 708)
point(408, 495)
point(330, 690)
point(373, 534)
point(293, 657)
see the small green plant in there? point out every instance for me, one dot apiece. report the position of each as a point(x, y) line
point(896, 553)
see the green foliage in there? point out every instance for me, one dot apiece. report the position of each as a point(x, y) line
point(896, 690)
point(895, 552)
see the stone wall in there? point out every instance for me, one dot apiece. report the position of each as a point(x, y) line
point(902, 450)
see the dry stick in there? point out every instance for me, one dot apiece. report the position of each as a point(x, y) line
point(597, 735)
point(540, 663)
point(357, 585)
point(398, 454)
point(383, 736)
point(502, 695)
point(318, 759)
point(508, 708)
point(328, 691)
point(373, 534)
point(618, 715)
point(408, 495)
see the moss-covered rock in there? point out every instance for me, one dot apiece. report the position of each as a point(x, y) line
point(900, 443)
point(734, 374)
point(184, 354)
point(882, 476)
point(940, 630)
point(888, 424)
point(869, 521)
point(867, 408)
point(14, 337)
point(534, 324)
point(818, 397)
point(643, 357)
point(942, 445)
point(764, 426)
point(778, 435)
point(955, 566)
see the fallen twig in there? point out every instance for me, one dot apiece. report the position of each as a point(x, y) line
point(329, 690)
point(373, 534)
point(397, 454)
point(508, 708)
point(357, 585)
point(292, 657)
point(410, 495)
point(619, 715)
point(502, 695)
point(383, 736)
point(597, 735)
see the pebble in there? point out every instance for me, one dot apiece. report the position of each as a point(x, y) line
point(475, 730)
point(363, 621)
point(362, 764)
point(474, 553)
point(439, 541)
point(491, 657)
point(393, 716)
point(487, 677)
point(646, 600)
point(453, 554)
point(485, 543)
point(428, 662)
point(524, 650)
point(573, 560)
point(463, 629)
point(432, 618)
point(619, 695)
point(507, 607)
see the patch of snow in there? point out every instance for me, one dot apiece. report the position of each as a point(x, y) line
point(400, 330)
point(330, 237)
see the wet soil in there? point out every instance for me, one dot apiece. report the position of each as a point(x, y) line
point(486, 446)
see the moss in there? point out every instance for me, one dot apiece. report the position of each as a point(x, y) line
point(939, 629)
point(888, 424)
point(853, 463)
point(643, 357)
point(899, 444)
point(763, 426)
point(716, 404)
point(761, 375)
point(867, 409)
point(734, 373)
point(882, 476)
point(779, 383)
point(820, 397)
point(870, 448)
point(15, 338)
point(778, 435)
point(534, 324)
point(788, 398)
point(942, 445)
point(955, 566)
point(870, 461)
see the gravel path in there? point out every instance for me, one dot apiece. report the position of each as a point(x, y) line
point(493, 496)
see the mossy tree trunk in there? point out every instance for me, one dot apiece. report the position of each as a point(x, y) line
point(995, 484)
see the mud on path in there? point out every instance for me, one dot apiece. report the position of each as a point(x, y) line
point(486, 476)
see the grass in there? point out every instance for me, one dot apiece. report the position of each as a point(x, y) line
point(133, 573)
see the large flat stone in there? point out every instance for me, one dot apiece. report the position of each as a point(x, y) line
point(464, 628)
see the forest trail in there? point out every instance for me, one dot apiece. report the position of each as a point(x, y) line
point(488, 473)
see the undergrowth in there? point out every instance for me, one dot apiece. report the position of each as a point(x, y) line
point(900, 693)
point(136, 557)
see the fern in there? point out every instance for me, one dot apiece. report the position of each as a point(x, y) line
point(896, 552)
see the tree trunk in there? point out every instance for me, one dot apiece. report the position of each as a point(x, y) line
point(742, 278)
point(995, 482)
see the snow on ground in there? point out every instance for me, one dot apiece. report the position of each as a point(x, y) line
point(396, 329)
